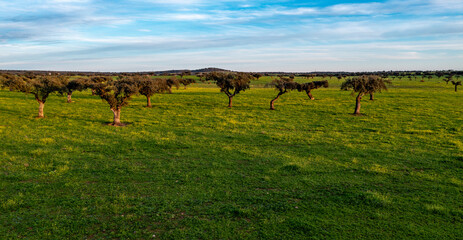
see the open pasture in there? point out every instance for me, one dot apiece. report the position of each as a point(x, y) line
point(190, 168)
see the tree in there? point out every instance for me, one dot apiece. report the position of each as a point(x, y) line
point(173, 81)
point(456, 84)
point(230, 83)
point(448, 79)
point(366, 84)
point(385, 81)
point(186, 81)
point(39, 86)
point(79, 84)
point(117, 93)
point(283, 85)
point(95, 81)
point(185, 73)
point(6, 80)
point(148, 87)
point(200, 76)
point(257, 75)
point(307, 87)
point(439, 74)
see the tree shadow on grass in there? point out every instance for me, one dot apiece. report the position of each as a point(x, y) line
point(124, 124)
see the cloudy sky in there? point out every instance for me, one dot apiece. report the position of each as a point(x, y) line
point(275, 35)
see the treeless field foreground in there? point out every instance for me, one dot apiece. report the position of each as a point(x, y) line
point(191, 168)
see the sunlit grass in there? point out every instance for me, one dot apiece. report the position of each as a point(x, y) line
point(191, 168)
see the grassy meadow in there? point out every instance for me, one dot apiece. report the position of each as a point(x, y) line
point(190, 168)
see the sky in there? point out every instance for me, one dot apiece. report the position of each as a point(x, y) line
point(242, 35)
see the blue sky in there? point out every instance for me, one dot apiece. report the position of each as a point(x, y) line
point(278, 35)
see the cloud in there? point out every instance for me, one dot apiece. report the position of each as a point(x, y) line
point(335, 57)
point(186, 17)
point(67, 32)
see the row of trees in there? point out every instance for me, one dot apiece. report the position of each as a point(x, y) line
point(362, 85)
point(118, 90)
point(200, 73)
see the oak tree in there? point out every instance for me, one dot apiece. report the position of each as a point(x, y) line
point(230, 83)
point(456, 84)
point(308, 87)
point(69, 87)
point(186, 81)
point(448, 79)
point(148, 87)
point(117, 93)
point(185, 73)
point(365, 84)
point(39, 86)
point(172, 81)
point(257, 75)
point(283, 85)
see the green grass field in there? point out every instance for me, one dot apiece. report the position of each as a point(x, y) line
point(190, 168)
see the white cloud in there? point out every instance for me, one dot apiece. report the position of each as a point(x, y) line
point(60, 34)
point(187, 17)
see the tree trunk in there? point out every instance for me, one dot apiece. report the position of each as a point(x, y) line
point(272, 107)
point(117, 117)
point(372, 97)
point(148, 101)
point(456, 87)
point(41, 105)
point(69, 98)
point(170, 90)
point(310, 95)
point(230, 101)
point(357, 104)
